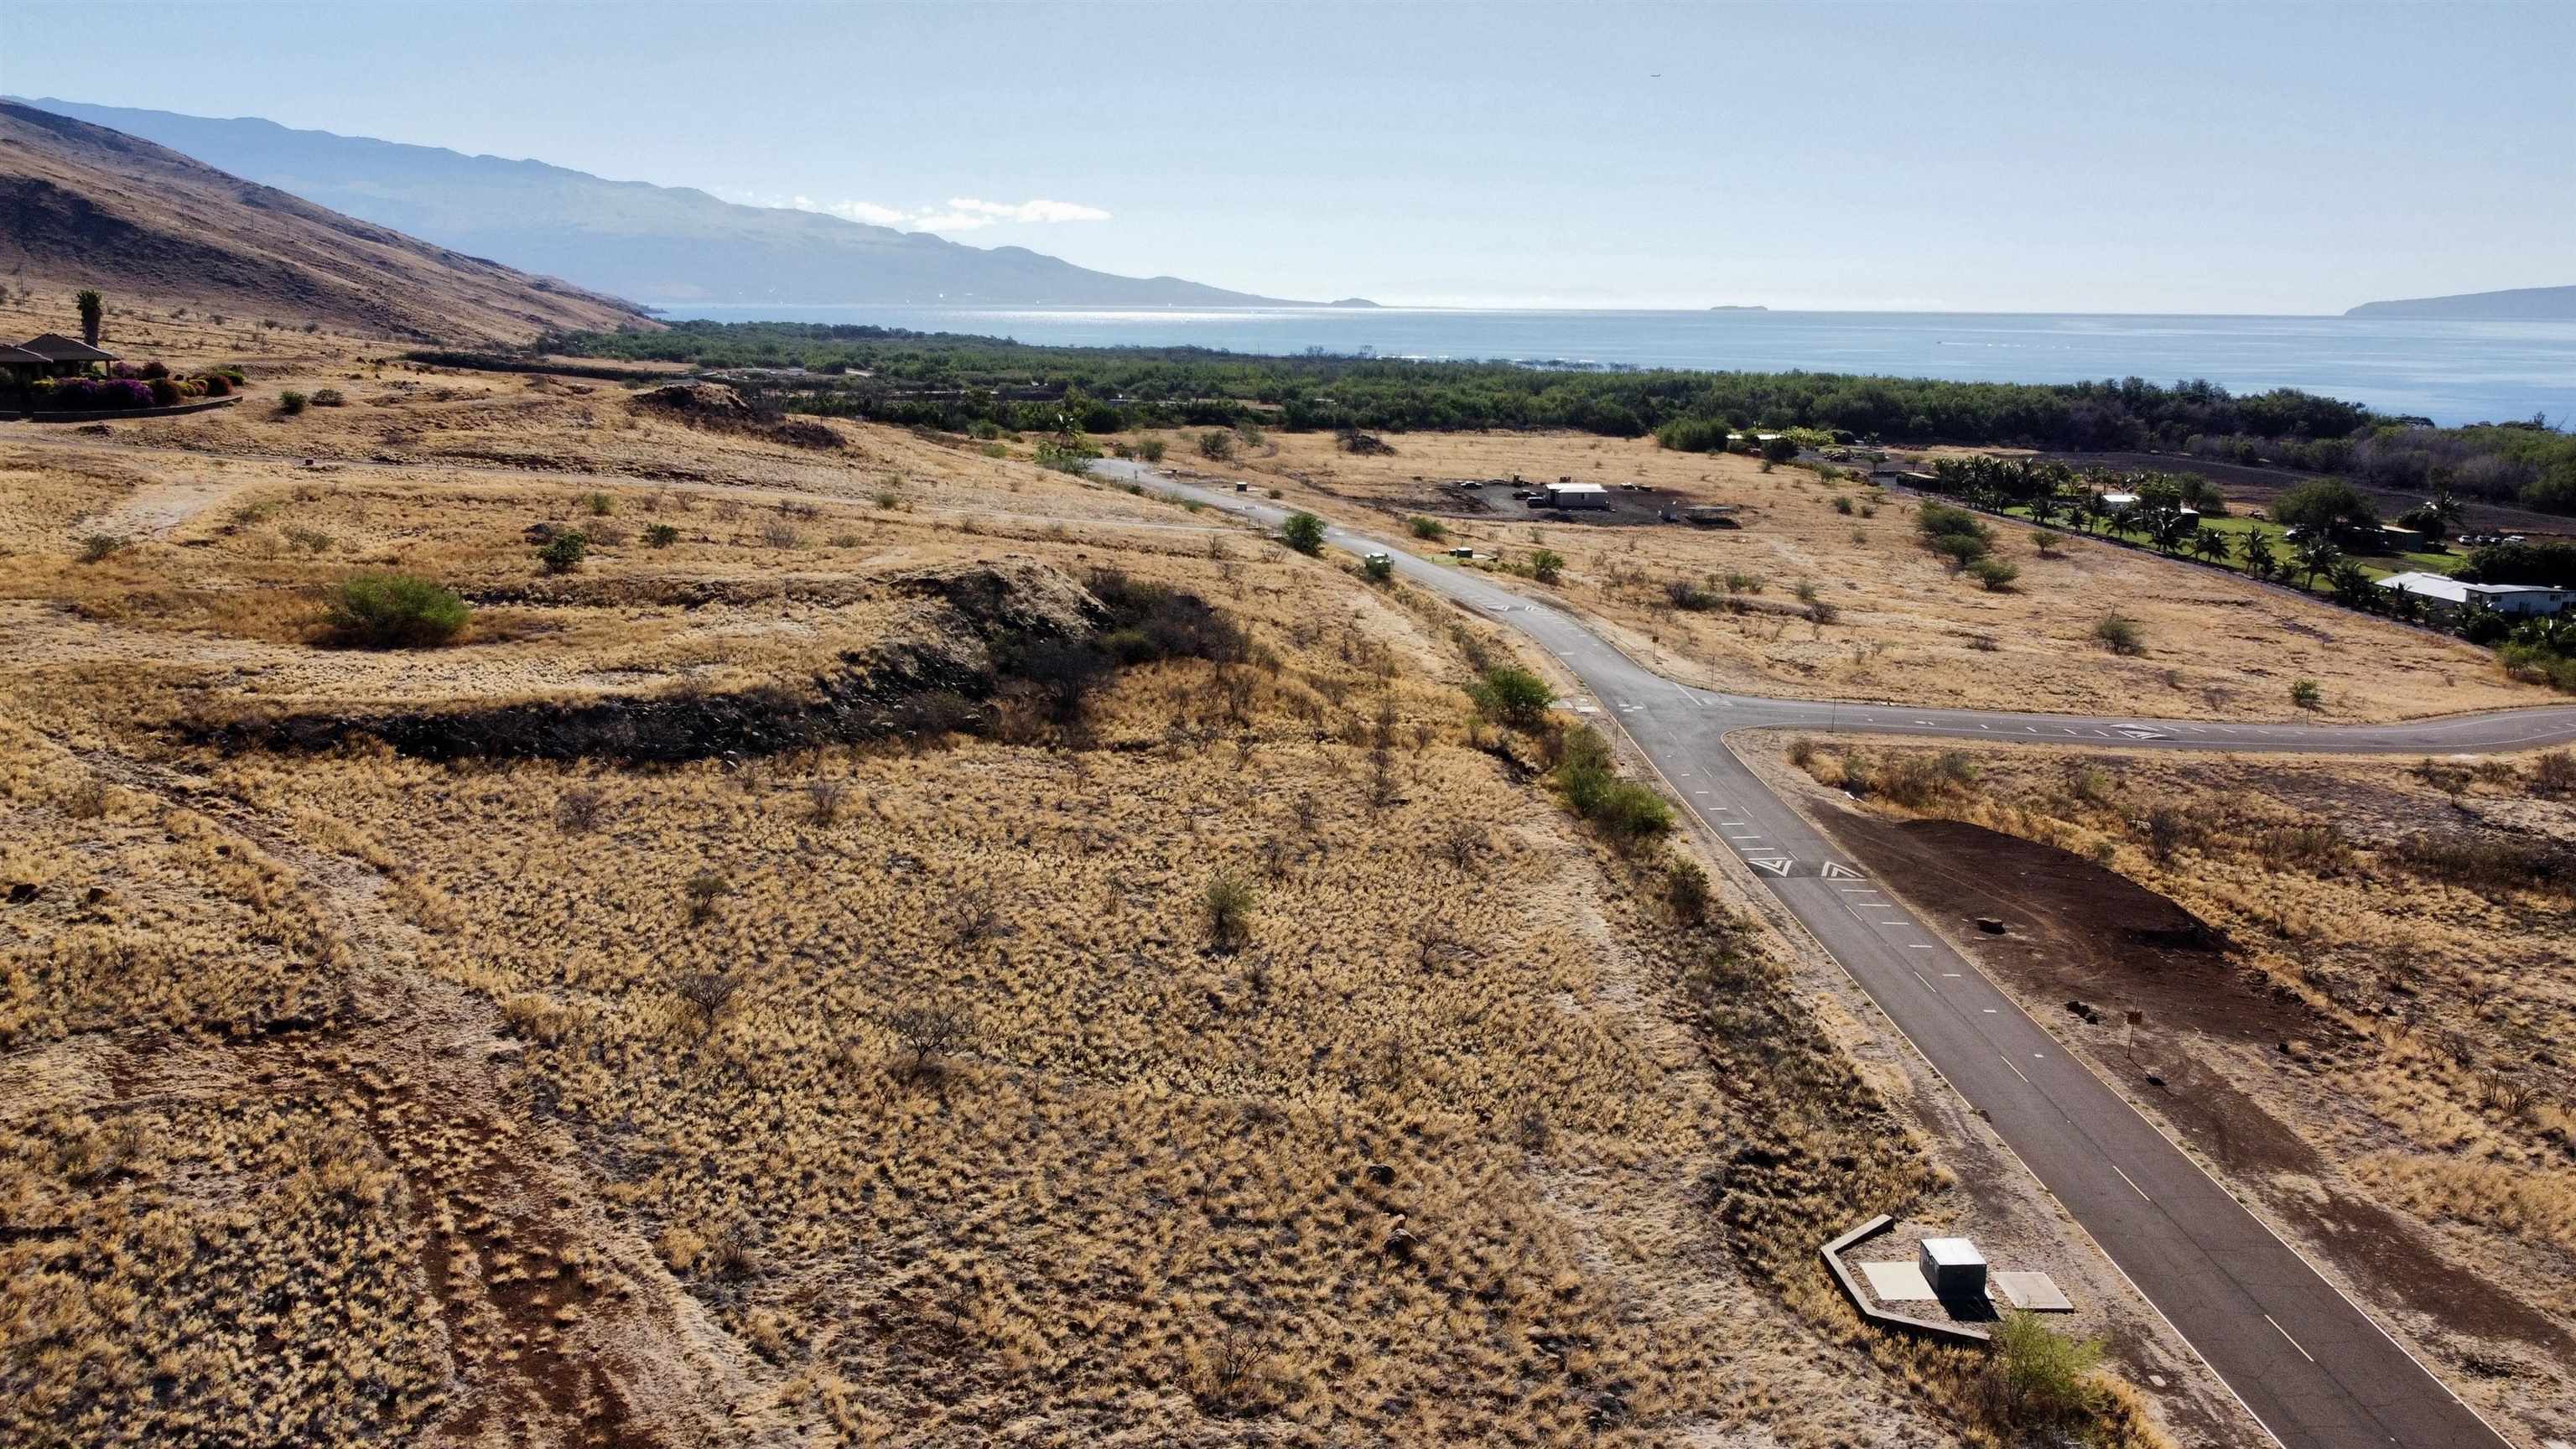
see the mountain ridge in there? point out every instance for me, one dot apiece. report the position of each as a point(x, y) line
point(2514, 304)
point(90, 205)
point(663, 244)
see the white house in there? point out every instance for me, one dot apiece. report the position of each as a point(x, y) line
point(2448, 594)
point(2123, 502)
point(1577, 495)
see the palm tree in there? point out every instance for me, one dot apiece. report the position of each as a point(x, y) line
point(2092, 510)
point(2316, 554)
point(2208, 545)
point(2352, 587)
point(92, 308)
point(2255, 547)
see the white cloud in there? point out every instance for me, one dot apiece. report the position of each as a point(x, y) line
point(1036, 211)
point(866, 211)
point(962, 213)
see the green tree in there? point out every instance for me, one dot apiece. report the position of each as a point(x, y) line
point(93, 312)
point(2208, 545)
point(1512, 695)
point(1303, 532)
point(1547, 565)
point(2325, 506)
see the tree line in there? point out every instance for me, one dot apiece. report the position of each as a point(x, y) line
point(955, 381)
point(952, 380)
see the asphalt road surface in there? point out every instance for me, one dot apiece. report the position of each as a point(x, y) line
point(2306, 1361)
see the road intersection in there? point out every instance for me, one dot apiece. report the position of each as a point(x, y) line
point(2312, 1367)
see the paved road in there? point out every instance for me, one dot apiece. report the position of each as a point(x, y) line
point(2307, 1362)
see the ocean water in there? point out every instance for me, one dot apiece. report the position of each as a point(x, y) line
point(2451, 372)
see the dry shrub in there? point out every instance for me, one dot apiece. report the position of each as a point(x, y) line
point(2317, 849)
point(1229, 900)
point(578, 810)
point(2554, 773)
point(929, 1032)
point(2488, 864)
point(1686, 891)
point(826, 800)
point(706, 993)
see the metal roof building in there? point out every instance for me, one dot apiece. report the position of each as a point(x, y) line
point(2448, 592)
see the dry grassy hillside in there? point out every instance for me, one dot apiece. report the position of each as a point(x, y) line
point(2357, 983)
point(1896, 624)
point(88, 206)
point(940, 1042)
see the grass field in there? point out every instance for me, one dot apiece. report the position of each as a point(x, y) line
point(894, 1082)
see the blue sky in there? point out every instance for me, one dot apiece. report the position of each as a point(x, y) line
point(2153, 158)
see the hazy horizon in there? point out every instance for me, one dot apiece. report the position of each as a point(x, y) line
point(2214, 161)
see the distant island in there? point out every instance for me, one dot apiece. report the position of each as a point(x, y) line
point(1351, 302)
point(1738, 307)
point(2521, 304)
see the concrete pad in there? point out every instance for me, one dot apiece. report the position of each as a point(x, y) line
point(2033, 1292)
point(1897, 1283)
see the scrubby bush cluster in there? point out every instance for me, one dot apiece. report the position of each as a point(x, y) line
point(394, 611)
point(1627, 811)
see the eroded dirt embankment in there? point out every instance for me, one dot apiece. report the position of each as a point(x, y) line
point(1027, 637)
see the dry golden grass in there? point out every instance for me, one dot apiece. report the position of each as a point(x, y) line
point(1906, 630)
point(868, 1093)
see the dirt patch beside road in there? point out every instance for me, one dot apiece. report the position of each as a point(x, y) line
point(2076, 933)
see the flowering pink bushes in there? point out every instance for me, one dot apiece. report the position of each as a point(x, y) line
point(127, 388)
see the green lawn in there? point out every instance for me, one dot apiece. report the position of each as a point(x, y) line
point(2378, 566)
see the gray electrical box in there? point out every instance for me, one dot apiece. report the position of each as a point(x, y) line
point(1953, 1267)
